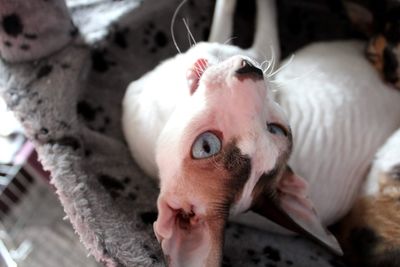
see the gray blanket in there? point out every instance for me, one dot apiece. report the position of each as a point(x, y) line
point(64, 79)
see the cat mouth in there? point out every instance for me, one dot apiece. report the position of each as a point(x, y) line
point(195, 72)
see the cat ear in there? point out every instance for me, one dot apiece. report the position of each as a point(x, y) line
point(194, 73)
point(188, 240)
point(290, 207)
point(361, 17)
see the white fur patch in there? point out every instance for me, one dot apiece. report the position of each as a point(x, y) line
point(387, 157)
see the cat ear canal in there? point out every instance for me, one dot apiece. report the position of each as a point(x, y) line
point(290, 206)
point(194, 74)
point(188, 239)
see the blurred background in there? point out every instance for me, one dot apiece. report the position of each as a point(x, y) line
point(33, 230)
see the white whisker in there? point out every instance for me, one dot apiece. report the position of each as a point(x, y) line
point(282, 67)
point(269, 62)
point(273, 62)
point(281, 83)
point(229, 40)
point(189, 40)
point(188, 30)
point(173, 24)
point(266, 66)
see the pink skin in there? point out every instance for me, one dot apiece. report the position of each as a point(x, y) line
point(198, 195)
point(194, 74)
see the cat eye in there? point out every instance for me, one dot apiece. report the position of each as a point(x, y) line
point(276, 129)
point(206, 145)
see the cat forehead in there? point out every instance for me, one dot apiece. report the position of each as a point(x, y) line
point(242, 116)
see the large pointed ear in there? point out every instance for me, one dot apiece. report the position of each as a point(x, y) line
point(188, 239)
point(288, 205)
point(361, 17)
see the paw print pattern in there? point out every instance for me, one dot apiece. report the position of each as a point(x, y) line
point(15, 35)
point(119, 37)
point(119, 187)
point(33, 30)
point(154, 39)
point(12, 25)
point(94, 116)
point(100, 60)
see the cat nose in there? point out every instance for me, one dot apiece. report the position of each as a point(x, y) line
point(248, 70)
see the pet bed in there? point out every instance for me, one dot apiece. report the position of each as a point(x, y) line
point(64, 70)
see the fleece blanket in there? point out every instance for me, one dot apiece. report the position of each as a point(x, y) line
point(64, 69)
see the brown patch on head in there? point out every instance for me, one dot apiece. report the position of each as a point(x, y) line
point(192, 216)
point(217, 180)
point(268, 181)
point(372, 228)
point(238, 167)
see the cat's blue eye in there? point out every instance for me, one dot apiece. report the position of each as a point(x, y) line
point(276, 129)
point(206, 145)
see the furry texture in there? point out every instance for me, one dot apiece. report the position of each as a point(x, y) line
point(371, 230)
point(67, 107)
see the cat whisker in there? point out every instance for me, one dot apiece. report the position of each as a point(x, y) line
point(281, 83)
point(188, 30)
point(173, 24)
point(281, 67)
point(268, 65)
point(229, 40)
point(273, 62)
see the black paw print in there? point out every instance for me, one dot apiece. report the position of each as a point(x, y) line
point(94, 116)
point(119, 37)
point(100, 60)
point(119, 187)
point(154, 39)
point(13, 27)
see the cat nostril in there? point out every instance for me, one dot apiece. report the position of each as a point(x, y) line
point(248, 69)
